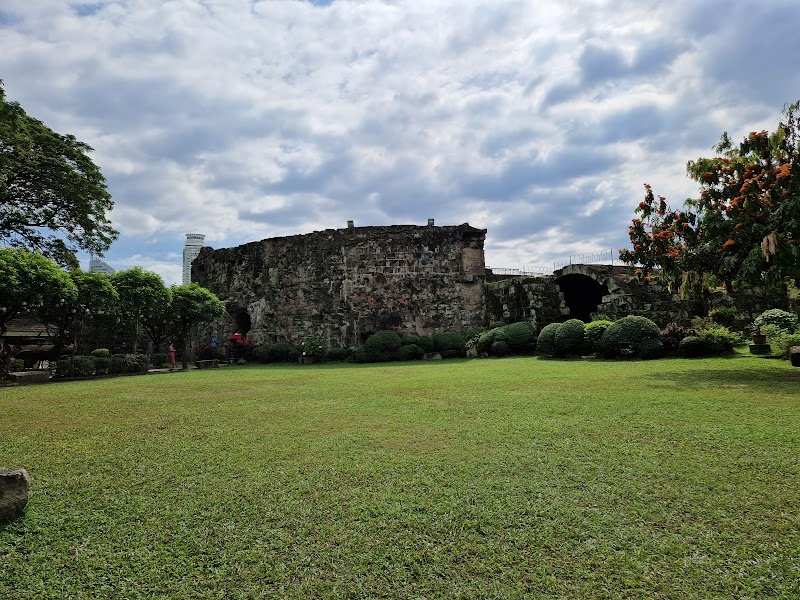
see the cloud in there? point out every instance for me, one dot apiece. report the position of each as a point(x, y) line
point(538, 121)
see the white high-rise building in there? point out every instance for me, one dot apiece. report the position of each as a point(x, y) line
point(194, 241)
point(99, 266)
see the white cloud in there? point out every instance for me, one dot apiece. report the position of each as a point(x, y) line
point(538, 121)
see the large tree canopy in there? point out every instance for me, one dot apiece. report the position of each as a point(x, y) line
point(744, 226)
point(53, 198)
point(142, 296)
point(192, 305)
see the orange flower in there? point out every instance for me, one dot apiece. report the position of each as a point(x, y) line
point(728, 244)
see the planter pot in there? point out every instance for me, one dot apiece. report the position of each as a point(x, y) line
point(759, 339)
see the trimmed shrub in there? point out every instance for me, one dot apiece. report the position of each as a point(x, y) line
point(101, 364)
point(651, 348)
point(293, 354)
point(360, 355)
point(786, 321)
point(104, 352)
point(487, 339)
point(672, 335)
point(83, 366)
point(501, 348)
point(278, 352)
point(208, 352)
point(475, 332)
point(450, 344)
point(627, 338)
point(158, 359)
point(411, 352)
point(593, 332)
point(784, 341)
point(128, 363)
point(410, 340)
point(426, 343)
point(339, 354)
point(520, 336)
point(382, 346)
point(569, 338)
point(546, 342)
point(724, 315)
point(692, 347)
point(497, 324)
point(62, 367)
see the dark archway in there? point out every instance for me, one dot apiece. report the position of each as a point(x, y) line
point(242, 323)
point(582, 295)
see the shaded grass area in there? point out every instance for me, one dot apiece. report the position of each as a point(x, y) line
point(463, 479)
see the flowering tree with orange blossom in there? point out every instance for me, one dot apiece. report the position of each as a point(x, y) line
point(745, 225)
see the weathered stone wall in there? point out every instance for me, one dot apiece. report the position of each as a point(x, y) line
point(341, 285)
point(544, 300)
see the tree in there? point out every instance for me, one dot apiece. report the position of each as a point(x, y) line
point(53, 198)
point(95, 296)
point(745, 225)
point(30, 283)
point(157, 322)
point(192, 305)
point(142, 296)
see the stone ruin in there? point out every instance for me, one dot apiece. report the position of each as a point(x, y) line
point(342, 285)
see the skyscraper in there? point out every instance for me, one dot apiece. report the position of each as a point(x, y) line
point(194, 241)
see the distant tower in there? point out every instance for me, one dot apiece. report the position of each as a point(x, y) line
point(99, 266)
point(194, 241)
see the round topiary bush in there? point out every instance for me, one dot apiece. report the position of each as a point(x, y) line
point(501, 348)
point(497, 325)
point(693, 346)
point(546, 342)
point(672, 334)
point(450, 344)
point(83, 366)
point(426, 343)
point(411, 352)
point(628, 337)
point(569, 338)
point(785, 321)
point(118, 364)
point(278, 352)
point(520, 336)
point(339, 354)
point(411, 340)
point(104, 352)
point(593, 332)
point(102, 364)
point(382, 346)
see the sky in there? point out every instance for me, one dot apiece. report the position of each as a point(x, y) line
point(539, 121)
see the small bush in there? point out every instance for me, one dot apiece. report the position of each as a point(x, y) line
point(672, 334)
point(206, 352)
point(128, 363)
point(83, 366)
point(411, 352)
point(272, 353)
point(692, 347)
point(411, 340)
point(103, 352)
point(497, 325)
point(382, 346)
point(627, 338)
point(426, 343)
point(339, 354)
point(592, 334)
point(546, 342)
point(784, 341)
point(242, 349)
point(360, 355)
point(62, 367)
point(293, 354)
point(101, 364)
point(651, 348)
point(724, 315)
point(569, 338)
point(520, 336)
point(786, 321)
point(450, 344)
point(475, 332)
point(159, 359)
point(501, 348)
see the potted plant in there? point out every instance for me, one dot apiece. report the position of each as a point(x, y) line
point(313, 351)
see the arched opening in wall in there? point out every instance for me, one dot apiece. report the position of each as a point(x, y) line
point(241, 322)
point(582, 295)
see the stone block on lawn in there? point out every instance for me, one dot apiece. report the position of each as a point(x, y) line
point(14, 486)
point(794, 355)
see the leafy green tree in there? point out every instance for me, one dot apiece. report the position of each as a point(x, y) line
point(745, 224)
point(157, 322)
point(191, 306)
point(53, 198)
point(142, 297)
point(95, 297)
point(31, 283)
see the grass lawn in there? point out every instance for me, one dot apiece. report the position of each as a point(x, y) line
point(512, 478)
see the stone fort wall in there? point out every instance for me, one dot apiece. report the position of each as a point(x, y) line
point(342, 285)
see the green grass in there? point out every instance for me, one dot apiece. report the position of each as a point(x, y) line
point(514, 478)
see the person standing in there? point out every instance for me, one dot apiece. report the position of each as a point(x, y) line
point(171, 356)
